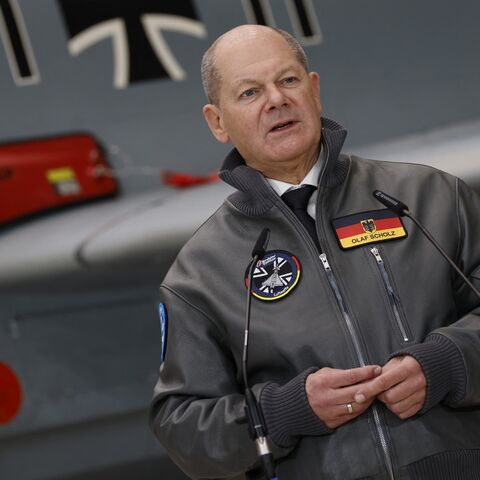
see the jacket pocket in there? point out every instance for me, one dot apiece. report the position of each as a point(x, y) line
point(393, 298)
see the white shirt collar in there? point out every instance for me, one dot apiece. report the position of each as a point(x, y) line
point(310, 179)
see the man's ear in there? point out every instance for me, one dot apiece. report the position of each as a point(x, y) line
point(315, 83)
point(213, 117)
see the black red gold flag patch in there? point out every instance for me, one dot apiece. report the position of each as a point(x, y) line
point(368, 227)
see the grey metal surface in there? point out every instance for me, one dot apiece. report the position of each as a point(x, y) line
point(454, 149)
point(136, 232)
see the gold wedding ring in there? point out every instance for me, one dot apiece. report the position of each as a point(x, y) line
point(349, 408)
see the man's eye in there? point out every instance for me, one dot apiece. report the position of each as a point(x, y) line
point(248, 93)
point(289, 80)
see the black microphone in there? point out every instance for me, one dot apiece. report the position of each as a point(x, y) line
point(392, 203)
point(261, 244)
point(256, 423)
point(402, 210)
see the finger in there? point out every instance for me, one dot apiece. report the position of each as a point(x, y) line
point(380, 384)
point(407, 403)
point(328, 396)
point(342, 395)
point(392, 363)
point(410, 386)
point(344, 410)
point(328, 412)
point(339, 414)
point(397, 393)
point(411, 411)
point(415, 382)
point(343, 378)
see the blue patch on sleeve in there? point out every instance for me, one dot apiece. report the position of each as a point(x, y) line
point(162, 313)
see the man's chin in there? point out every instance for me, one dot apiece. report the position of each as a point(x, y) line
point(287, 152)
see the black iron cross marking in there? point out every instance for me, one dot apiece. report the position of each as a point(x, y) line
point(17, 44)
point(135, 28)
point(302, 15)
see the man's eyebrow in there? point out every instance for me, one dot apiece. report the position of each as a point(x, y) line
point(241, 81)
point(290, 67)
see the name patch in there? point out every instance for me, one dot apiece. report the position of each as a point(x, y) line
point(275, 276)
point(368, 227)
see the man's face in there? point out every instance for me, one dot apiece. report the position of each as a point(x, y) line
point(269, 106)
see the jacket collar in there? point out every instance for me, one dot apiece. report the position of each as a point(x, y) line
point(255, 195)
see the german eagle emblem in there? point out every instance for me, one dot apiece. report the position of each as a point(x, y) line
point(368, 225)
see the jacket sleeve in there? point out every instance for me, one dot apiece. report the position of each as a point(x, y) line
point(197, 402)
point(450, 356)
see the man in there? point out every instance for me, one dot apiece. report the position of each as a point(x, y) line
point(365, 349)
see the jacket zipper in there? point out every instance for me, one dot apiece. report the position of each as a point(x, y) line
point(353, 334)
point(351, 328)
point(343, 309)
point(392, 296)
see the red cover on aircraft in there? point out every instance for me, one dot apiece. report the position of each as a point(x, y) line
point(42, 174)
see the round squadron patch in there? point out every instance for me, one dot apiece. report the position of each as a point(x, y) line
point(275, 276)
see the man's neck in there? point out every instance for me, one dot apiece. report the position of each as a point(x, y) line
point(292, 173)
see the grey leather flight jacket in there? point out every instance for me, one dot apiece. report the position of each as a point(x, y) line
point(350, 308)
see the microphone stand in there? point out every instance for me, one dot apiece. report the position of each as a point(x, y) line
point(256, 422)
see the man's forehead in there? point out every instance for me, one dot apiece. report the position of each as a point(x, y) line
point(244, 33)
point(237, 62)
point(248, 41)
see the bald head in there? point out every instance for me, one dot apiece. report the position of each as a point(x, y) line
point(237, 38)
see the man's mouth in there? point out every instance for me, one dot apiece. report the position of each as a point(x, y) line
point(282, 126)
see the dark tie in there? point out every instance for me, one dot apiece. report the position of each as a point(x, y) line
point(297, 200)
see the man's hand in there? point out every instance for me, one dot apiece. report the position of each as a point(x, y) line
point(331, 390)
point(402, 387)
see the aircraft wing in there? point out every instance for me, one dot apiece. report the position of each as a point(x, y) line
point(454, 149)
point(142, 232)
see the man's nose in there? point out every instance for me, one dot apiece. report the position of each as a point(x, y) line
point(275, 97)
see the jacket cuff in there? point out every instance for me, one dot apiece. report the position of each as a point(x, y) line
point(287, 412)
point(443, 367)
